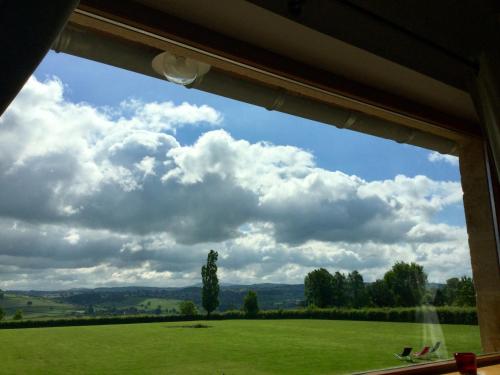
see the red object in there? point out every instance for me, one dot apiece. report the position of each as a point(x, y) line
point(423, 352)
point(466, 363)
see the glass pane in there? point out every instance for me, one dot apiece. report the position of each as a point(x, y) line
point(337, 252)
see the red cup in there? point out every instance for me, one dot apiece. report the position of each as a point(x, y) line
point(466, 363)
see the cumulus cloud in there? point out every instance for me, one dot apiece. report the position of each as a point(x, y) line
point(304, 202)
point(436, 157)
point(165, 116)
point(94, 196)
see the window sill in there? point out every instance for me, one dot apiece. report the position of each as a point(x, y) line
point(435, 368)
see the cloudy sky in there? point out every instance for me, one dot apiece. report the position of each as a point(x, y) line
point(112, 178)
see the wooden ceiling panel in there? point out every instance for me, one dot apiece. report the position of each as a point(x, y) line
point(286, 49)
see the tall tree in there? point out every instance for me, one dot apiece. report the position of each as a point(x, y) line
point(466, 294)
point(318, 288)
point(339, 285)
point(356, 290)
point(2, 314)
point(250, 303)
point(450, 290)
point(407, 283)
point(439, 298)
point(210, 291)
point(380, 295)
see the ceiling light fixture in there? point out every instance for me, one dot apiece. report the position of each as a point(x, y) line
point(179, 69)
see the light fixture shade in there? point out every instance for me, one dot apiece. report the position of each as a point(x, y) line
point(179, 69)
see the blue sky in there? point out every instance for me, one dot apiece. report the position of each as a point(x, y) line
point(369, 157)
point(102, 193)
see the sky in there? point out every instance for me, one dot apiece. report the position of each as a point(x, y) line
point(111, 178)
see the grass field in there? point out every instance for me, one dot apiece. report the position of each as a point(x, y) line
point(226, 347)
point(145, 303)
point(46, 308)
point(39, 308)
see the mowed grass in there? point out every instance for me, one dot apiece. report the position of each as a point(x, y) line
point(226, 347)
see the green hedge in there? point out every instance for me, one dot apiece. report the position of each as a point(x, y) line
point(443, 315)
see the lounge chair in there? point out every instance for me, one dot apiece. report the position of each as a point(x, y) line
point(404, 355)
point(423, 354)
point(434, 349)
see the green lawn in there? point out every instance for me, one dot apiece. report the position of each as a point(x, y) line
point(227, 347)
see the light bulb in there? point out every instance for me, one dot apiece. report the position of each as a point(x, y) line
point(179, 69)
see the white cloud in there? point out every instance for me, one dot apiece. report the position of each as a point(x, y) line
point(305, 202)
point(72, 237)
point(435, 157)
point(163, 116)
point(111, 196)
point(147, 165)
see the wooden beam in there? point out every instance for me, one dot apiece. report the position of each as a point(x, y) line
point(427, 36)
point(485, 90)
point(481, 229)
point(350, 94)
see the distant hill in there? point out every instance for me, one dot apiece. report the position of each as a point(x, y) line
point(271, 296)
point(34, 306)
point(148, 300)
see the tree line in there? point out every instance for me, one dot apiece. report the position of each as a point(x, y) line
point(404, 285)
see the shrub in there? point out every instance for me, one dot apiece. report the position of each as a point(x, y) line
point(18, 315)
point(188, 308)
point(250, 304)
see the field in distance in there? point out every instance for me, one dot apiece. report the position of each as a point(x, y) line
point(37, 307)
point(226, 347)
point(137, 300)
point(34, 307)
